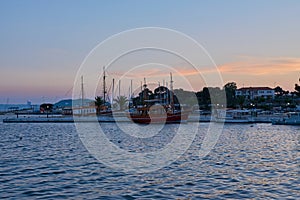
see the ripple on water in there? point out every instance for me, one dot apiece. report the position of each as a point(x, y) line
point(259, 161)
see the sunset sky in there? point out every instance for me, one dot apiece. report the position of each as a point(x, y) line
point(43, 43)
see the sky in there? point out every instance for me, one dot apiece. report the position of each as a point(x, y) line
point(43, 43)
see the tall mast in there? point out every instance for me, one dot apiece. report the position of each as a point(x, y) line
point(141, 97)
point(119, 88)
point(145, 86)
point(168, 93)
point(171, 89)
point(82, 94)
point(104, 86)
point(113, 90)
point(131, 89)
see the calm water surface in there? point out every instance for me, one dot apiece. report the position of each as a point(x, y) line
point(48, 161)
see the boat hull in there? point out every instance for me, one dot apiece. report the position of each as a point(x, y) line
point(292, 119)
point(288, 122)
point(219, 120)
point(168, 119)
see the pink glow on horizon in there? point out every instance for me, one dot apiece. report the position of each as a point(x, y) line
point(246, 71)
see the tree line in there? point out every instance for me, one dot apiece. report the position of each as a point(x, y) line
point(215, 96)
point(204, 98)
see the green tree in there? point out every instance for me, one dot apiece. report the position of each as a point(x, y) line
point(203, 98)
point(121, 101)
point(98, 103)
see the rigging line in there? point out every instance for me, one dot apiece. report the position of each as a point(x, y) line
point(68, 91)
point(109, 88)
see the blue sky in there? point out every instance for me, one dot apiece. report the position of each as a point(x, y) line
point(44, 42)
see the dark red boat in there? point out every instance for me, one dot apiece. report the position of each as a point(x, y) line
point(178, 117)
point(160, 106)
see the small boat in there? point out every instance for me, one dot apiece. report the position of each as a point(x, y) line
point(292, 118)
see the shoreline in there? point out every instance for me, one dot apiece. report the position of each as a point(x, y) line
point(115, 119)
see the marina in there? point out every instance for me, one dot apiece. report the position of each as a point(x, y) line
point(160, 106)
point(138, 100)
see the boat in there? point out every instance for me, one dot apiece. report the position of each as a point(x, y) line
point(200, 116)
point(234, 116)
point(105, 108)
point(158, 114)
point(292, 118)
point(99, 109)
point(160, 106)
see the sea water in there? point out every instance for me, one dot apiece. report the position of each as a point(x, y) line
point(49, 161)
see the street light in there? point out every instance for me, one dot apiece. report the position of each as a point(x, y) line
point(47, 109)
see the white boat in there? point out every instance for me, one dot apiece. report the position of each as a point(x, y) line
point(233, 116)
point(292, 118)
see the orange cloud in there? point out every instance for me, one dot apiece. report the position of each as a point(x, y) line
point(248, 70)
point(162, 71)
point(262, 66)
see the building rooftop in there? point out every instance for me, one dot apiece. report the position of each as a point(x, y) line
point(255, 88)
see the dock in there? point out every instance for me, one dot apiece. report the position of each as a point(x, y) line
point(115, 118)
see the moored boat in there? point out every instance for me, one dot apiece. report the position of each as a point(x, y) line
point(147, 116)
point(160, 106)
point(234, 116)
point(292, 118)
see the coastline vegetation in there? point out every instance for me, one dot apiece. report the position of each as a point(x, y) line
point(282, 99)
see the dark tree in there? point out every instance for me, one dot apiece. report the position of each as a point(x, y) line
point(278, 91)
point(205, 97)
point(46, 108)
point(240, 101)
point(297, 89)
point(230, 89)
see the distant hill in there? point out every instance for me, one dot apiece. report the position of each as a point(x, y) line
point(69, 102)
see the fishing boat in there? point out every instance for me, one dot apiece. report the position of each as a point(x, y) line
point(292, 118)
point(160, 106)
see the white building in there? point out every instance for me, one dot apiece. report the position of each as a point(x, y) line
point(87, 110)
point(255, 92)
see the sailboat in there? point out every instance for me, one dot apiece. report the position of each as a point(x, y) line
point(160, 106)
point(104, 109)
